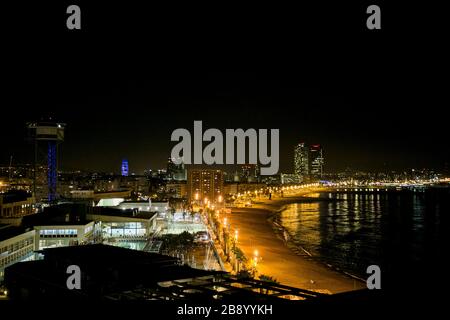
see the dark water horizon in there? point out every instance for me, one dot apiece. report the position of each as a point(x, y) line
point(404, 232)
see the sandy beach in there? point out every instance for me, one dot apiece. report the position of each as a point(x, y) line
point(277, 259)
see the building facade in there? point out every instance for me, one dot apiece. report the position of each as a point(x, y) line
point(205, 184)
point(316, 161)
point(308, 161)
point(125, 224)
point(16, 245)
point(177, 189)
point(62, 235)
point(301, 160)
point(16, 205)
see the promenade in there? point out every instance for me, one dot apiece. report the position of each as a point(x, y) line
point(276, 259)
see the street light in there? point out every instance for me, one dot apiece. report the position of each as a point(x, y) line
point(255, 259)
point(235, 235)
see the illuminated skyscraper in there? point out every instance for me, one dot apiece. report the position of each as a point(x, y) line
point(301, 161)
point(124, 168)
point(316, 160)
point(308, 161)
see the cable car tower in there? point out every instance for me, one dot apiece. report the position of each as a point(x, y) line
point(46, 136)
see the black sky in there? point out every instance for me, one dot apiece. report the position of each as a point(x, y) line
point(372, 101)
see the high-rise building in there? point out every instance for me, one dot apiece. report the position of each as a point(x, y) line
point(308, 161)
point(316, 161)
point(124, 168)
point(301, 161)
point(205, 184)
point(175, 171)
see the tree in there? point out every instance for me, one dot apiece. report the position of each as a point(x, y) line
point(178, 242)
point(240, 256)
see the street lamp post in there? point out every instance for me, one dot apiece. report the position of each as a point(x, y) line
point(225, 238)
point(255, 262)
point(235, 252)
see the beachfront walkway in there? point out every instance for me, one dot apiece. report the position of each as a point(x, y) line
point(277, 260)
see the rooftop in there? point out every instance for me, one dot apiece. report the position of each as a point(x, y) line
point(111, 191)
point(143, 201)
point(105, 270)
point(128, 213)
point(8, 231)
point(61, 214)
point(15, 196)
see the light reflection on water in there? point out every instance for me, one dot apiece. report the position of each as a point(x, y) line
point(353, 231)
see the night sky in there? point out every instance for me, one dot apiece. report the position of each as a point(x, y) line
point(374, 102)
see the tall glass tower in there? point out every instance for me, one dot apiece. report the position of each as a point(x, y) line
point(301, 161)
point(316, 160)
point(124, 168)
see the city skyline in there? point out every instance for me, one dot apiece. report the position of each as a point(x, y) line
point(105, 124)
point(233, 168)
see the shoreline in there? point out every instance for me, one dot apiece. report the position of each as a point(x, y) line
point(282, 233)
point(280, 259)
